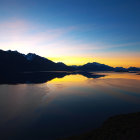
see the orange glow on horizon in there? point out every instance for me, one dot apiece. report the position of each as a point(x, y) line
point(70, 60)
point(111, 61)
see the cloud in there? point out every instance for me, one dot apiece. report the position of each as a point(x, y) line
point(22, 35)
point(73, 48)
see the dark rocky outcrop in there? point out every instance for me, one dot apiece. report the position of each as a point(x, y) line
point(120, 127)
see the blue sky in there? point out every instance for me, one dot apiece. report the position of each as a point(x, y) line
point(93, 29)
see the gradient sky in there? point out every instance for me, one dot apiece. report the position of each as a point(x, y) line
point(73, 31)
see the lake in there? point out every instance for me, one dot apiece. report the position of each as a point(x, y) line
point(65, 105)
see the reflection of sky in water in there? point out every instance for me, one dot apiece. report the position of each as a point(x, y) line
point(66, 105)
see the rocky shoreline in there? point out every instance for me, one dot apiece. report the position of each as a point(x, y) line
point(120, 127)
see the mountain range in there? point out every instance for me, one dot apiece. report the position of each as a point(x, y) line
point(13, 61)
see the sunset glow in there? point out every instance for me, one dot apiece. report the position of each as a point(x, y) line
point(112, 61)
point(80, 37)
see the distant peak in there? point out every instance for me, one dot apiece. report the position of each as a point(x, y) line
point(30, 56)
point(12, 51)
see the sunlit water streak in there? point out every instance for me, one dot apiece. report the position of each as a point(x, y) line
point(65, 106)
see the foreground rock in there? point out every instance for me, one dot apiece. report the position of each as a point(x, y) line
point(121, 127)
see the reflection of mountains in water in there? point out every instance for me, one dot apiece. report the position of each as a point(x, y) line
point(39, 77)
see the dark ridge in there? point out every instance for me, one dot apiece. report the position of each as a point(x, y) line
point(133, 69)
point(14, 62)
point(120, 69)
point(96, 67)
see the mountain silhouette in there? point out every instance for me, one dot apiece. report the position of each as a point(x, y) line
point(133, 69)
point(121, 69)
point(15, 62)
point(96, 67)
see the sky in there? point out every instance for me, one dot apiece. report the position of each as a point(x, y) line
point(73, 31)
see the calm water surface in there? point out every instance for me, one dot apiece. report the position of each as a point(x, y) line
point(65, 106)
